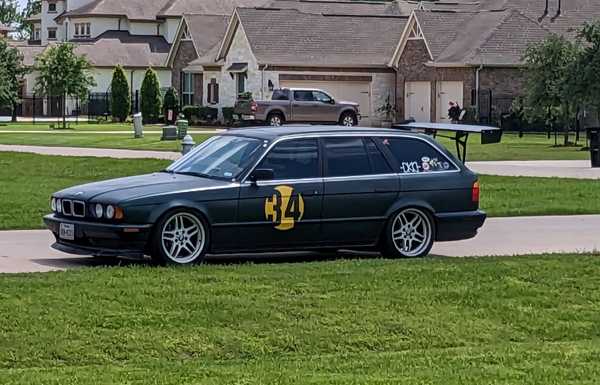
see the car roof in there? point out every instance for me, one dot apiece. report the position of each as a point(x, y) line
point(271, 133)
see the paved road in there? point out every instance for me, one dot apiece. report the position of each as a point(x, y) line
point(29, 251)
point(578, 169)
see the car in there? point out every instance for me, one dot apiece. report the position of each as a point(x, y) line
point(271, 189)
point(298, 105)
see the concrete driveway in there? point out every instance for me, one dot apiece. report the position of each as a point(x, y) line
point(29, 251)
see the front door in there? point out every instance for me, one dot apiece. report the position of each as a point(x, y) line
point(286, 211)
point(417, 101)
point(360, 186)
point(448, 92)
point(325, 109)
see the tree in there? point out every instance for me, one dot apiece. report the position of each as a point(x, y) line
point(587, 71)
point(549, 82)
point(120, 95)
point(63, 73)
point(11, 66)
point(9, 12)
point(171, 102)
point(151, 100)
point(33, 7)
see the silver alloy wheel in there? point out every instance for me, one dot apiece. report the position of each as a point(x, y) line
point(348, 121)
point(183, 238)
point(411, 232)
point(275, 121)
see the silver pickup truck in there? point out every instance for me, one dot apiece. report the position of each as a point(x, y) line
point(295, 105)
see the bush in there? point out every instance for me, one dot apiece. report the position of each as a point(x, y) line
point(120, 95)
point(228, 115)
point(151, 101)
point(171, 102)
point(196, 114)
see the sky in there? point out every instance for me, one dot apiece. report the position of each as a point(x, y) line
point(22, 3)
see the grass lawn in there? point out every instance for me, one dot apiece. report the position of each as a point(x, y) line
point(84, 126)
point(513, 320)
point(28, 180)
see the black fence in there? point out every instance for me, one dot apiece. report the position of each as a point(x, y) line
point(99, 105)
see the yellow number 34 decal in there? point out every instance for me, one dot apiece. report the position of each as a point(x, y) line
point(284, 208)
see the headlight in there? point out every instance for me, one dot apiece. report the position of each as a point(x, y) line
point(99, 210)
point(58, 206)
point(110, 212)
point(53, 204)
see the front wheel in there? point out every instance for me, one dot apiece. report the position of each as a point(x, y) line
point(180, 238)
point(409, 234)
point(348, 119)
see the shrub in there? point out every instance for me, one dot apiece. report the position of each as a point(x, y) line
point(171, 102)
point(120, 95)
point(228, 115)
point(195, 114)
point(151, 101)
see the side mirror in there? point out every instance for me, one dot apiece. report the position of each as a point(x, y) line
point(262, 174)
point(331, 101)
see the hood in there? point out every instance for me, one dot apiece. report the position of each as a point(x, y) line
point(123, 189)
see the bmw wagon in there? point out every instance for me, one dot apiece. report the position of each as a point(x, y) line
point(278, 189)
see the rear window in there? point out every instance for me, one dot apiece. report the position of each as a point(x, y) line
point(416, 156)
point(281, 95)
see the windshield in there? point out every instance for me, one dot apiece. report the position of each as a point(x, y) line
point(223, 157)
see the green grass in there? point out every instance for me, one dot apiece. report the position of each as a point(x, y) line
point(83, 127)
point(514, 320)
point(28, 180)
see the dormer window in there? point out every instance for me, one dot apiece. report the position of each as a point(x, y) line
point(51, 7)
point(82, 30)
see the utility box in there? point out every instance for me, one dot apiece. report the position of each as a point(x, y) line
point(182, 128)
point(138, 127)
point(594, 136)
point(169, 133)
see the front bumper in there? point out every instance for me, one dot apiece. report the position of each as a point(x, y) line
point(458, 226)
point(101, 239)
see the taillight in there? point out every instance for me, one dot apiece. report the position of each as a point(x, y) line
point(253, 106)
point(475, 192)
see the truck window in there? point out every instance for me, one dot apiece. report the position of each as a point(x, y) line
point(321, 97)
point(303, 96)
point(416, 156)
point(281, 95)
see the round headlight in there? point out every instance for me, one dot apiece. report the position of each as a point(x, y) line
point(99, 210)
point(110, 212)
point(58, 206)
point(53, 204)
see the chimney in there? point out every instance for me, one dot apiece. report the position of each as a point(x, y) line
point(541, 18)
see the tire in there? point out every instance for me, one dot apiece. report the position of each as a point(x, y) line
point(275, 119)
point(409, 233)
point(180, 237)
point(348, 119)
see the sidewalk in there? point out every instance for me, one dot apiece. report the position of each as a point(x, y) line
point(29, 251)
point(93, 152)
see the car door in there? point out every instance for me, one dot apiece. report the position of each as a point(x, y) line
point(284, 212)
point(325, 109)
point(359, 188)
point(303, 106)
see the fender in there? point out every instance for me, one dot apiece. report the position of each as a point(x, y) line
point(275, 109)
point(404, 202)
point(347, 109)
point(159, 210)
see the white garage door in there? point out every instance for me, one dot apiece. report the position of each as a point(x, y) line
point(358, 92)
point(417, 101)
point(448, 92)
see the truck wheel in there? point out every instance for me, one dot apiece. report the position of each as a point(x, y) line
point(275, 119)
point(180, 238)
point(348, 119)
point(409, 234)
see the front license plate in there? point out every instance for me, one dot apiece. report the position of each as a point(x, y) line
point(67, 231)
point(247, 117)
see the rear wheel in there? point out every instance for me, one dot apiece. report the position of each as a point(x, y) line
point(180, 238)
point(348, 119)
point(275, 119)
point(409, 234)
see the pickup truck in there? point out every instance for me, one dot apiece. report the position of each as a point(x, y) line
point(298, 105)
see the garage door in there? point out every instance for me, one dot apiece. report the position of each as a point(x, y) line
point(448, 92)
point(358, 92)
point(417, 101)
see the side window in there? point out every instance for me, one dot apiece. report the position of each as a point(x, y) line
point(417, 156)
point(346, 157)
point(321, 97)
point(303, 96)
point(378, 163)
point(281, 95)
point(294, 159)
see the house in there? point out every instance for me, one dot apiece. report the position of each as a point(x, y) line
point(4, 30)
point(267, 48)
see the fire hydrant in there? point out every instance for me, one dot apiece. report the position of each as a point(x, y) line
point(187, 144)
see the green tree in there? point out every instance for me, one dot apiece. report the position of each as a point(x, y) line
point(63, 73)
point(151, 99)
point(11, 65)
point(171, 102)
point(587, 72)
point(549, 82)
point(9, 12)
point(120, 94)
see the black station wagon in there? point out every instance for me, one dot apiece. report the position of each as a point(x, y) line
point(275, 189)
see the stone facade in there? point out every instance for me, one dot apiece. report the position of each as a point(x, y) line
point(185, 54)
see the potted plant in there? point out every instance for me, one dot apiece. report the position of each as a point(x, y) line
point(388, 110)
